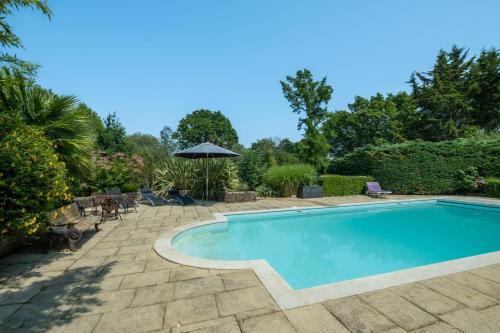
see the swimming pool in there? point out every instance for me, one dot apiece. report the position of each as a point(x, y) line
point(314, 247)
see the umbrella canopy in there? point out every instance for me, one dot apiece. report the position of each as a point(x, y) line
point(206, 150)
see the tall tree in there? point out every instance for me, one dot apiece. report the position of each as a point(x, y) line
point(369, 121)
point(309, 99)
point(205, 126)
point(486, 95)
point(167, 141)
point(8, 39)
point(152, 152)
point(274, 151)
point(113, 137)
point(443, 96)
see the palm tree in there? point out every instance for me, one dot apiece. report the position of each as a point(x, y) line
point(71, 131)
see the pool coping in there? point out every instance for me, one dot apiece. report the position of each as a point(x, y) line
point(288, 298)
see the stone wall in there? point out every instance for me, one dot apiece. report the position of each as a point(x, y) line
point(243, 196)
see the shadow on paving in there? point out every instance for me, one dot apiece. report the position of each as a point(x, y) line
point(41, 292)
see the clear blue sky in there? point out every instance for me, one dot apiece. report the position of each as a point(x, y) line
point(155, 61)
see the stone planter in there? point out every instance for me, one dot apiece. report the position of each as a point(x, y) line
point(243, 196)
point(306, 192)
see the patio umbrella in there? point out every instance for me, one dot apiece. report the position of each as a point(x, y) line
point(206, 150)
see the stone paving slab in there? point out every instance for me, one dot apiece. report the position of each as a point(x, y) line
point(238, 280)
point(493, 314)
point(314, 319)
point(7, 310)
point(116, 282)
point(190, 310)
point(185, 273)
point(405, 314)
point(437, 328)
point(133, 320)
point(198, 287)
point(145, 279)
point(103, 302)
point(75, 325)
point(275, 323)
point(162, 293)
point(427, 299)
point(468, 320)
point(242, 300)
point(358, 316)
point(220, 325)
point(478, 283)
point(467, 296)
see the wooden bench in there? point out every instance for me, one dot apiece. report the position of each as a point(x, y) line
point(67, 223)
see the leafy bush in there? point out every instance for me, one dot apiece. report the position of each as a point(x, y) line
point(128, 188)
point(470, 179)
point(423, 167)
point(334, 185)
point(266, 192)
point(191, 175)
point(250, 169)
point(492, 187)
point(111, 171)
point(32, 180)
point(284, 180)
point(222, 177)
point(174, 173)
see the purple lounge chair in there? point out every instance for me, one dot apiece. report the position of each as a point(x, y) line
point(373, 189)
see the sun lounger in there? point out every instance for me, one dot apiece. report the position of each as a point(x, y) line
point(373, 189)
point(151, 198)
point(182, 199)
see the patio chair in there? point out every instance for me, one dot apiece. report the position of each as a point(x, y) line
point(85, 203)
point(117, 194)
point(130, 200)
point(182, 199)
point(151, 198)
point(373, 189)
point(108, 205)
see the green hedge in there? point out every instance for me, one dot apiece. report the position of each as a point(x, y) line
point(334, 185)
point(492, 187)
point(283, 180)
point(422, 167)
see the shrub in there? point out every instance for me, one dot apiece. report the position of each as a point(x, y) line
point(250, 169)
point(334, 185)
point(32, 180)
point(174, 173)
point(423, 167)
point(191, 175)
point(129, 187)
point(222, 177)
point(112, 171)
point(284, 180)
point(491, 187)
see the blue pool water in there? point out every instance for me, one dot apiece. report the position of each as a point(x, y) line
point(319, 246)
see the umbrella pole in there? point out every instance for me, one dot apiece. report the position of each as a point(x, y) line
point(206, 198)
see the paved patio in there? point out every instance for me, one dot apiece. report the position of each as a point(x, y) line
point(116, 282)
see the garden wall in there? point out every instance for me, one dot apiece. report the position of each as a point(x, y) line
point(243, 196)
